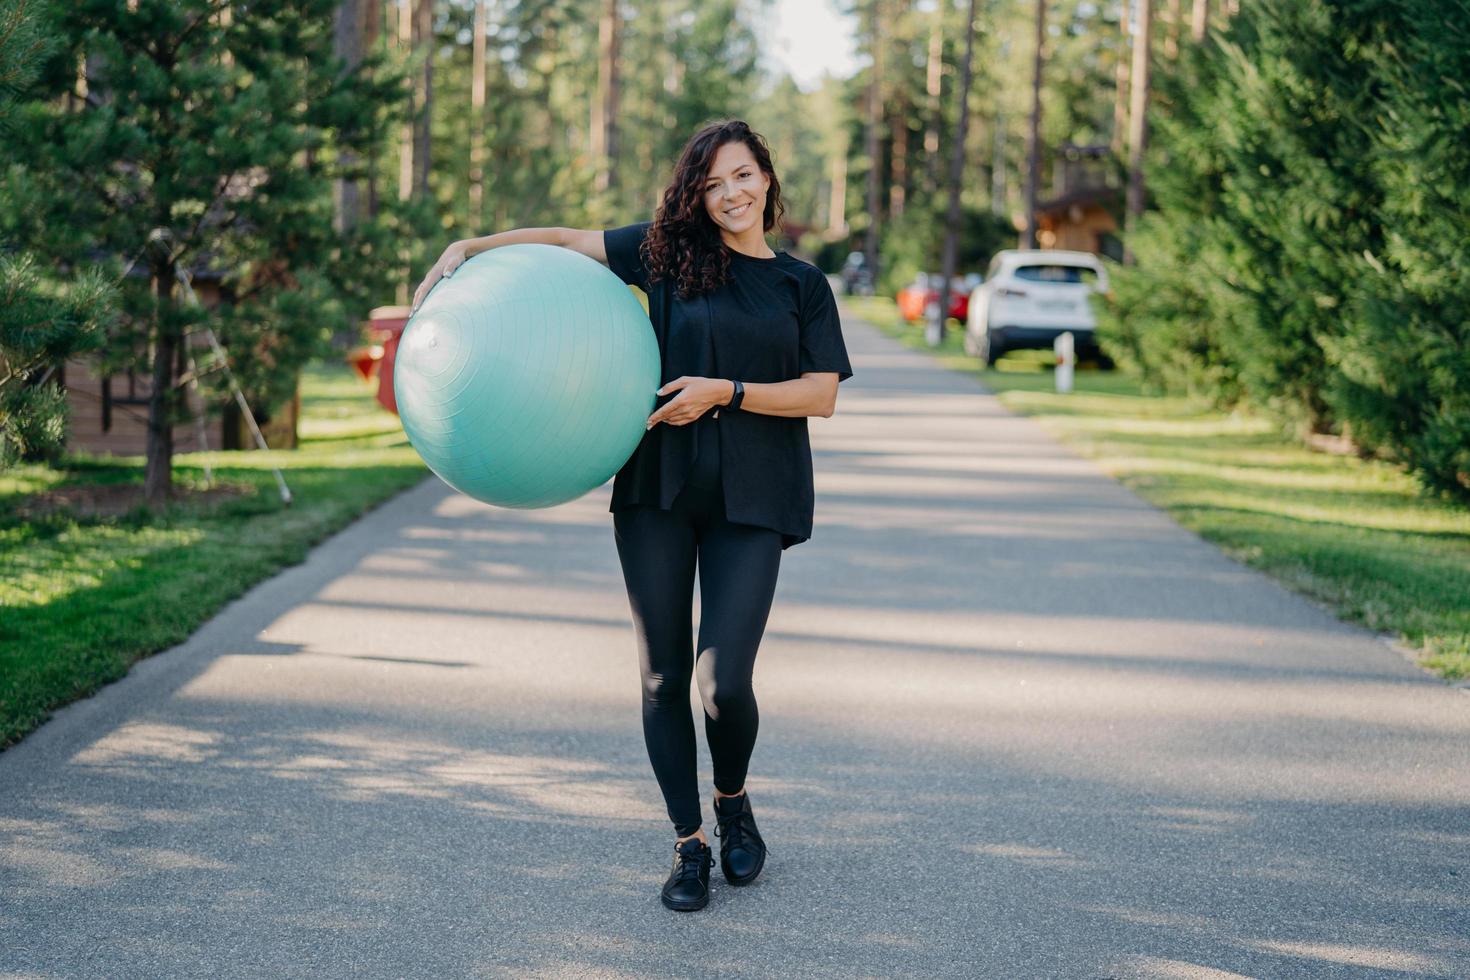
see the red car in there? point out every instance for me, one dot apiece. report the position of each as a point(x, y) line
point(915, 298)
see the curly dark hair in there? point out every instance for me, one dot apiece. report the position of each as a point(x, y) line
point(683, 243)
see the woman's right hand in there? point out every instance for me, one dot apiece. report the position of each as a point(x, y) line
point(454, 256)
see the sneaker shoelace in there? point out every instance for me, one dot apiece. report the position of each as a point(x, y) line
point(733, 828)
point(689, 863)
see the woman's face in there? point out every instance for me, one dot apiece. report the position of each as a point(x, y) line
point(735, 190)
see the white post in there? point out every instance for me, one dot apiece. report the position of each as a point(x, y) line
point(1066, 351)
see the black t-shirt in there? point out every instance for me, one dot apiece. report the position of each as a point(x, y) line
point(772, 321)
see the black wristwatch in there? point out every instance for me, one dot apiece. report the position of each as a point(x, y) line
point(733, 404)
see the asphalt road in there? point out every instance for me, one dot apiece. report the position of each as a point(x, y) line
point(1014, 723)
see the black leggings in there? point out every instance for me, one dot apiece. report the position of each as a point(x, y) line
point(737, 580)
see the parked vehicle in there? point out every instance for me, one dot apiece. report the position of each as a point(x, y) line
point(915, 298)
point(857, 278)
point(1029, 298)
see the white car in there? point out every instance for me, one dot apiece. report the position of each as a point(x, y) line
point(1029, 298)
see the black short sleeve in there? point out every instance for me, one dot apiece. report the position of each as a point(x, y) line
point(623, 257)
point(822, 347)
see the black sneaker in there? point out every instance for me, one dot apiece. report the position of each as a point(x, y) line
point(688, 886)
point(742, 852)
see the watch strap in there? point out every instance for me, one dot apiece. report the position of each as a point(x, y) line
point(734, 403)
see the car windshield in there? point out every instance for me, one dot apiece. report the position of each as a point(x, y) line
point(1056, 273)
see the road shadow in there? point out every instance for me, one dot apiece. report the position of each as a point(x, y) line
point(1014, 722)
point(411, 842)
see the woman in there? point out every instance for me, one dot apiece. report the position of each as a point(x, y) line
point(751, 345)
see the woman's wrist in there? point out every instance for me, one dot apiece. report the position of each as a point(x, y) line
point(474, 246)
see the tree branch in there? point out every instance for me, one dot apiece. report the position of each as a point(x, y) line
point(194, 26)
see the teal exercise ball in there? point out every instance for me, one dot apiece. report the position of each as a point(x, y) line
point(525, 378)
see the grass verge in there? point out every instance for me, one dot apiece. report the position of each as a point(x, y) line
point(84, 597)
point(1354, 534)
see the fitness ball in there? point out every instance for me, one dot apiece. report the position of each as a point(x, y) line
point(526, 377)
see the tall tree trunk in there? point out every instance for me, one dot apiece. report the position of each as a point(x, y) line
point(1199, 22)
point(956, 181)
point(875, 121)
point(898, 148)
point(1033, 136)
point(999, 189)
point(424, 120)
point(158, 471)
point(477, 115)
point(405, 140)
point(224, 17)
point(405, 132)
point(837, 202)
point(1173, 11)
point(933, 83)
point(349, 42)
point(1138, 119)
point(372, 27)
point(605, 106)
point(78, 98)
point(1120, 83)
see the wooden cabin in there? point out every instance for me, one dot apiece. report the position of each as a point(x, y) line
point(109, 413)
point(1079, 213)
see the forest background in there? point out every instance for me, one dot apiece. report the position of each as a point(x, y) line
point(1297, 182)
point(1290, 181)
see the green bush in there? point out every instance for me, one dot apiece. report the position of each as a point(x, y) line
point(42, 323)
point(1308, 253)
point(1403, 379)
point(1163, 320)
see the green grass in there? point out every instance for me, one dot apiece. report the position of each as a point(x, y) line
point(83, 597)
point(1354, 534)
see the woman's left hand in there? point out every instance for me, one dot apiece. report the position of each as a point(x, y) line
point(696, 396)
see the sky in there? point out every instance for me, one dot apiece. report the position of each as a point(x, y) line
point(814, 28)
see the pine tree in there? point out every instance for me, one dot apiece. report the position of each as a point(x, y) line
point(1308, 254)
point(1261, 178)
point(207, 139)
point(1403, 376)
point(41, 323)
point(956, 183)
point(1174, 316)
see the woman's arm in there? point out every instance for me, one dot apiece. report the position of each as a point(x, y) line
point(811, 394)
point(586, 241)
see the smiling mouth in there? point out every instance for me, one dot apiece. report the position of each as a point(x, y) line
point(737, 212)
